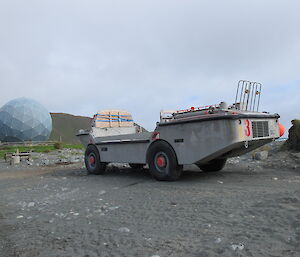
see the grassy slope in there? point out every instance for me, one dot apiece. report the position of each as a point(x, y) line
point(66, 126)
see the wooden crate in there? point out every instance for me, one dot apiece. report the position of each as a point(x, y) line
point(113, 118)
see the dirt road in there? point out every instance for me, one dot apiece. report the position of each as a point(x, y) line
point(61, 211)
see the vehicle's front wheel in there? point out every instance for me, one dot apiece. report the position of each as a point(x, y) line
point(163, 163)
point(213, 165)
point(92, 161)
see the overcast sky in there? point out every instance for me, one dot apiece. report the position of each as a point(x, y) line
point(82, 56)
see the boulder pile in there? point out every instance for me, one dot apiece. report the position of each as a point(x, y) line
point(293, 142)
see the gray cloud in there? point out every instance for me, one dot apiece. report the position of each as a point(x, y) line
point(81, 56)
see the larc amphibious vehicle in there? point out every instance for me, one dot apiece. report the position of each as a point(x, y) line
point(205, 136)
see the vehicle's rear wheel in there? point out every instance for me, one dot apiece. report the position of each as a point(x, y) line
point(92, 161)
point(163, 163)
point(136, 166)
point(213, 165)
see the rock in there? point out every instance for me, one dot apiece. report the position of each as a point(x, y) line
point(22, 204)
point(296, 156)
point(124, 230)
point(29, 162)
point(260, 156)
point(218, 240)
point(113, 208)
point(74, 159)
point(293, 142)
point(237, 247)
point(45, 162)
point(234, 160)
point(102, 192)
point(31, 204)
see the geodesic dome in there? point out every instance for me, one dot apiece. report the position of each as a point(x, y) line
point(24, 119)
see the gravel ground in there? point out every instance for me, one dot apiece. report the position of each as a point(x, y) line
point(245, 210)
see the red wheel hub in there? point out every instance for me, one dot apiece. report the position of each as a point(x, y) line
point(161, 161)
point(92, 160)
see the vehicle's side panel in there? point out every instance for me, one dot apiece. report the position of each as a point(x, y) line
point(123, 152)
point(199, 142)
point(129, 148)
point(194, 141)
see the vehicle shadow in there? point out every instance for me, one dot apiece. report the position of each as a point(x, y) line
point(189, 174)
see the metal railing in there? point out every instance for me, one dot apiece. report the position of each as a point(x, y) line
point(248, 96)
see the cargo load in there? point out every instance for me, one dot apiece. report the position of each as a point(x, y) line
point(113, 118)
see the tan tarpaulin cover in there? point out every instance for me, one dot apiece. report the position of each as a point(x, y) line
point(113, 118)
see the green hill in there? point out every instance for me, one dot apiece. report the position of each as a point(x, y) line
point(65, 127)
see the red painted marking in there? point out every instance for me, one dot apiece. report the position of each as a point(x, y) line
point(247, 130)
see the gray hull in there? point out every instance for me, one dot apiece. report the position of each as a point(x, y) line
point(195, 140)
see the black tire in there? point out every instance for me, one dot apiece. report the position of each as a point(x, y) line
point(213, 165)
point(163, 163)
point(136, 166)
point(92, 161)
